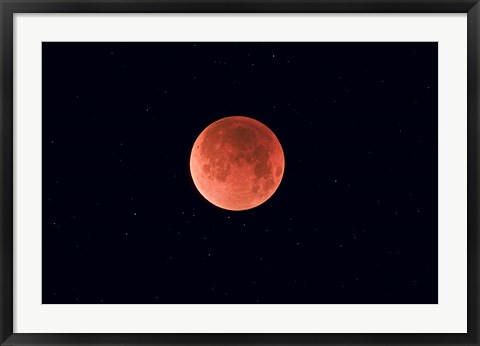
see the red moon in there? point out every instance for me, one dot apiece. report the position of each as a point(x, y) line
point(237, 163)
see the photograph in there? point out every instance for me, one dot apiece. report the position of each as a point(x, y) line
point(239, 173)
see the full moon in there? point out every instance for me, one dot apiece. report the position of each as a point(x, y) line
point(237, 163)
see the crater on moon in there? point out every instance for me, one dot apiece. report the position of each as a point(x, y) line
point(237, 163)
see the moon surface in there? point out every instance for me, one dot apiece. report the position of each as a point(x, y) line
point(237, 163)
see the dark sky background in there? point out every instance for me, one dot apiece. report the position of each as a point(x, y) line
point(353, 221)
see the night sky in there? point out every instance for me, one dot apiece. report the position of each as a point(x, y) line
point(354, 219)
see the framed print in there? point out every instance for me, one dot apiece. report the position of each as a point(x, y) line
point(239, 173)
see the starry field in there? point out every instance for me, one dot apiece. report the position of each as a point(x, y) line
point(354, 219)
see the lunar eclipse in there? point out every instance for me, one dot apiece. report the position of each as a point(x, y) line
point(237, 163)
point(249, 173)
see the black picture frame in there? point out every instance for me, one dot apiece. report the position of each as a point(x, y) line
point(9, 7)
